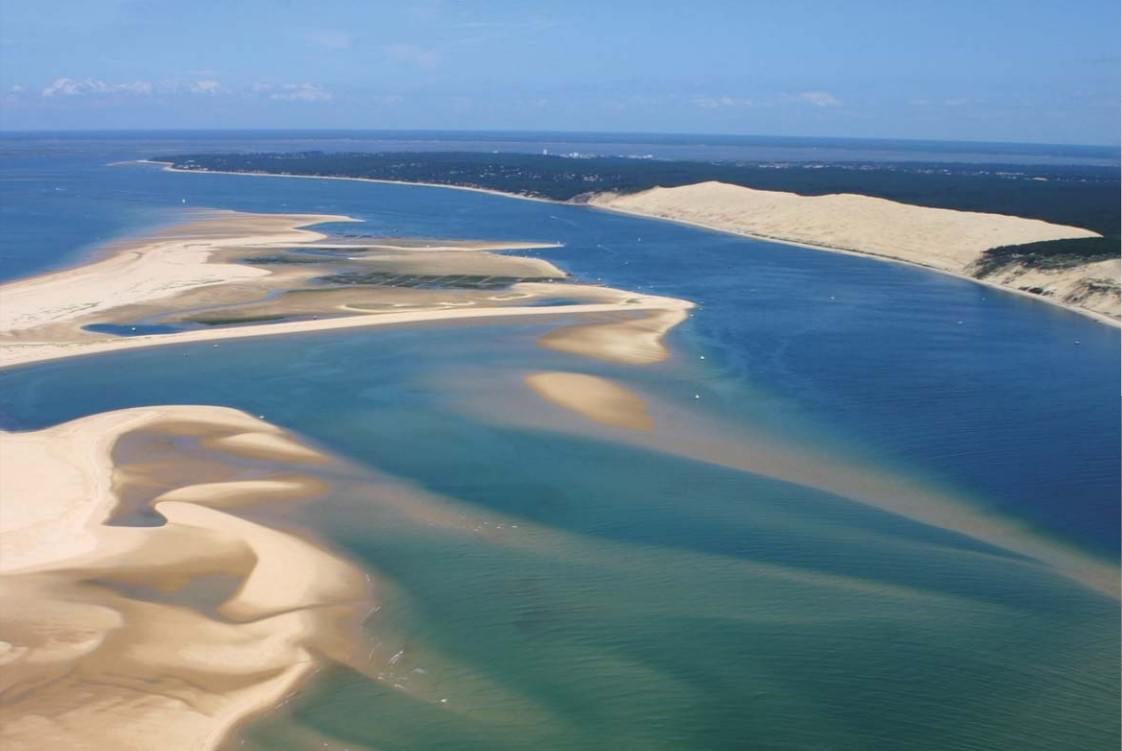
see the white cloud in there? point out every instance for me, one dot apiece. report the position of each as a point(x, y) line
point(91, 86)
point(296, 92)
point(411, 54)
point(206, 86)
point(335, 40)
point(817, 98)
point(721, 102)
point(16, 89)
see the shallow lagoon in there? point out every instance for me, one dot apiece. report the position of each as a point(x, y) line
point(647, 601)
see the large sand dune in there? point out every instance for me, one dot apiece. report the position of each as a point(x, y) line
point(942, 239)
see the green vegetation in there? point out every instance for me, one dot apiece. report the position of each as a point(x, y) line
point(229, 321)
point(1057, 254)
point(285, 259)
point(1080, 196)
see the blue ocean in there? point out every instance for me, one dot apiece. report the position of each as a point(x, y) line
point(632, 596)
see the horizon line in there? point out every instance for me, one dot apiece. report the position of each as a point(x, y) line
point(1117, 147)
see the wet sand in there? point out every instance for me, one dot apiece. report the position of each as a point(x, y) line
point(634, 341)
point(598, 399)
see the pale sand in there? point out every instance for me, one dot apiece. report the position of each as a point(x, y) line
point(22, 354)
point(598, 399)
point(184, 270)
point(87, 666)
point(265, 446)
point(635, 341)
point(151, 269)
point(941, 239)
point(235, 493)
point(455, 262)
point(437, 246)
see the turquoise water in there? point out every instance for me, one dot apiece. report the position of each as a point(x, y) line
point(607, 595)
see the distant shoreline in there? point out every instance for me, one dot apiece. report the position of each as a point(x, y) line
point(170, 167)
point(1090, 314)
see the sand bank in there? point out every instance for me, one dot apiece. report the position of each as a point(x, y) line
point(115, 635)
point(23, 354)
point(152, 268)
point(598, 399)
point(633, 341)
point(941, 239)
point(230, 275)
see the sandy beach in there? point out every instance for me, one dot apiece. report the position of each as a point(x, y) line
point(86, 664)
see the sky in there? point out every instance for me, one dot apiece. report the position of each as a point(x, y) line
point(993, 70)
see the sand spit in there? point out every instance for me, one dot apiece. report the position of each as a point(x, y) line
point(598, 399)
point(116, 635)
point(941, 239)
point(634, 341)
point(169, 167)
point(12, 355)
point(230, 275)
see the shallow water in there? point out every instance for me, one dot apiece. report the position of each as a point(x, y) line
point(613, 596)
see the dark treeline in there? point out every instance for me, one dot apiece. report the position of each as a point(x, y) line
point(1081, 196)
